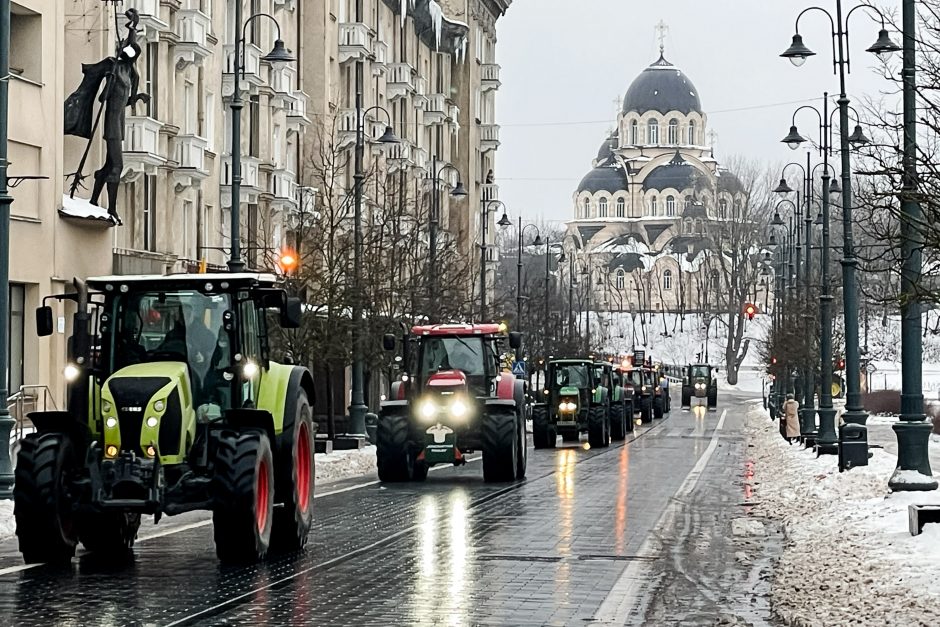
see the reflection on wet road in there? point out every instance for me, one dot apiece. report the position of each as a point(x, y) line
point(451, 551)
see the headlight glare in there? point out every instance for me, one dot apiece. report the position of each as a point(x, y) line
point(152, 422)
point(110, 423)
point(71, 372)
point(458, 409)
point(428, 410)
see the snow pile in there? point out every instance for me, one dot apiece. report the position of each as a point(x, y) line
point(345, 464)
point(7, 523)
point(849, 553)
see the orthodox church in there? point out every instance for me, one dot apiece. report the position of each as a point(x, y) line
point(643, 212)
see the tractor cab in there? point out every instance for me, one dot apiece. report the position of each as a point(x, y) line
point(700, 381)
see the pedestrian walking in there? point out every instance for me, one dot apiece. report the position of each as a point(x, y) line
point(790, 411)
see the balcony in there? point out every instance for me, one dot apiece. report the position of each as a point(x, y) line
point(399, 156)
point(283, 186)
point(250, 176)
point(141, 146)
point(297, 118)
point(282, 83)
point(345, 127)
point(421, 91)
point(192, 28)
point(150, 25)
point(252, 79)
point(355, 42)
point(420, 158)
point(191, 156)
point(453, 115)
point(290, 5)
point(435, 112)
point(489, 137)
point(489, 77)
point(489, 192)
point(400, 81)
point(380, 63)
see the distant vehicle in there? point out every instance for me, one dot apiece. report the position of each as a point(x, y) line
point(574, 400)
point(699, 381)
point(620, 408)
point(457, 401)
point(643, 387)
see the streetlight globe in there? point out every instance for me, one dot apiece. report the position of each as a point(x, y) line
point(388, 137)
point(793, 139)
point(783, 189)
point(884, 48)
point(834, 188)
point(538, 240)
point(797, 52)
point(279, 55)
point(504, 221)
point(858, 137)
point(459, 192)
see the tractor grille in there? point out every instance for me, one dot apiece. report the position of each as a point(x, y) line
point(131, 396)
point(171, 425)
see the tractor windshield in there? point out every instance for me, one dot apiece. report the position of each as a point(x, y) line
point(700, 372)
point(572, 375)
point(453, 353)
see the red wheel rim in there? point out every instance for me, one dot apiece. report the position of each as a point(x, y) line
point(261, 496)
point(303, 467)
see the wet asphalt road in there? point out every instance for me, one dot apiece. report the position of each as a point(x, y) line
point(636, 534)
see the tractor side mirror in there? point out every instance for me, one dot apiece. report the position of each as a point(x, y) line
point(291, 313)
point(44, 324)
point(515, 339)
point(389, 342)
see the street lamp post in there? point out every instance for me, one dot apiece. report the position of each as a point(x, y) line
point(278, 54)
point(913, 431)
point(798, 53)
point(6, 422)
point(458, 192)
point(503, 221)
point(537, 242)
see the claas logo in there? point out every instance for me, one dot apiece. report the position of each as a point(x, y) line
point(750, 310)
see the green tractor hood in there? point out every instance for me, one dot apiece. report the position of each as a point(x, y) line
point(568, 390)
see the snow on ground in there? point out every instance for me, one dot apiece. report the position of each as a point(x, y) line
point(7, 524)
point(345, 464)
point(849, 558)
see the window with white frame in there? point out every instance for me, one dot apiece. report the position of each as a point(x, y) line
point(692, 132)
point(621, 208)
point(673, 132)
point(652, 133)
point(602, 207)
point(635, 133)
point(621, 279)
point(716, 280)
point(667, 280)
point(723, 209)
point(586, 212)
point(653, 209)
point(670, 206)
point(688, 202)
point(189, 228)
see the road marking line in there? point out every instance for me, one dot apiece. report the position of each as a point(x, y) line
point(622, 600)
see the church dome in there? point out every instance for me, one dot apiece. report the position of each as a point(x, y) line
point(603, 179)
point(678, 174)
point(607, 149)
point(662, 87)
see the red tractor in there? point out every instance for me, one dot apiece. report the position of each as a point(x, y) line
point(456, 401)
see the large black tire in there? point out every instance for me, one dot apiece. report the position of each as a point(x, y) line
point(419, 471)
point(243, 489)
point(111, 534)
point(543, 434)
point(296, 475)
point(628, 416)
point(598, 427)
point(522, 453)
point(713, 397)
point(686, 397)
point(45, 522)
point(500, 444)
point(395, 461)
point(646, 410)
point(618, 422)
point(658, 407)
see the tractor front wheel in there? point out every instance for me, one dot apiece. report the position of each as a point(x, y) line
point(713, 397)
point(618, 422)
point(244, 496)
point(500, 445)
point(686, 397)
point(42, 505)
point(295, 480)
point(646, 410)
point(543, 435)
point(522, 456)
point(658, 407)
point(598, 427)
point(395, 463)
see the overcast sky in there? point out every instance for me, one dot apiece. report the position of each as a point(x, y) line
point(565, 63)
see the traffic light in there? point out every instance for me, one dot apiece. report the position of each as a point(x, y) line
point(840, 364)
point(773, 361)
point(750, 311)
point(287, 262)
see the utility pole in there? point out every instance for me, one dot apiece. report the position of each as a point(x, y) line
point(6, 422)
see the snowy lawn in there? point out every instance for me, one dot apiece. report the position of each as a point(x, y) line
point(849, 558)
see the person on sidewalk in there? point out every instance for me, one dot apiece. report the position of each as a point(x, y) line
point(790, 411)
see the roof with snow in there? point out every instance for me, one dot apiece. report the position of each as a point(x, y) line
point(662, 87)
point(678, 174)
point(606, 151)
point(606, 179)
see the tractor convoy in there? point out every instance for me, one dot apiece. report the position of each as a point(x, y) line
point(174, 404)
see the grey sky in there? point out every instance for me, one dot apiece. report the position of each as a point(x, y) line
point(567, 61)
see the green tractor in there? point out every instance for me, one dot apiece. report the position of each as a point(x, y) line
point(642, 384)
point(173, 405)
point(699, 381)
point(621, 402)
point(574, 400)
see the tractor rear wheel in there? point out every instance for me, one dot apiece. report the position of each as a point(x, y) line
point(543, 434)
point(629, 411)
point(646, 410)
point(395, 462)
point(522, 456)
point(296, 474)
point(618, 422)
point(111, 534)
point(243, 487)
point(658, 406)
point(598, 427)
point(42, 505)
point(686, 397)
point(500, 445)
point(713, 397)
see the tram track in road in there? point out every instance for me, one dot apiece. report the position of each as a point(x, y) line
point(389, 540)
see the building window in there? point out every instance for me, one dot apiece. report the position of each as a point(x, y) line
point(621, 278)
point(688, 225)
point(16, 350)
point(635, 133)
point(673, 132)
point(587, 208)
point(152, 80)
point(723, 209)
point(653, 209)
point(26, 44)
point(688, 202)
point(652, 133)
point(691, 132)
point(189, 228)
point(667, 280)
point(716, 281)
point(254, 126)
point(602, 207)
point(700, 226)
point(621, 208)
point(670, 206)
point(150, 213)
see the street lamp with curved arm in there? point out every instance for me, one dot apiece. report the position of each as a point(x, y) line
point(538, 242)
point(458, 192)
point(484, 217)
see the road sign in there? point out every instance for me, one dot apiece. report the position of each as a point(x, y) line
point(870, 368)
point(519, 368)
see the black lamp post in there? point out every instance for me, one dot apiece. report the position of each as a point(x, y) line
point(279, 54)
point(504, 221)
point(537, 242)
point(913, 431)
point(459, 193)
point(798, 53)
point(6, 422)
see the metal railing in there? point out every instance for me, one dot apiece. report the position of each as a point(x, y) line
point(27, 399)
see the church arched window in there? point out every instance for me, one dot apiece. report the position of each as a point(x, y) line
point(587, 208)
point(716, 281)
point(635, 133)
point(621, 279)
point(688, 202)
point(673, 132)
point(653, 208)
point(670, 206)
point(667, 280)
point(621, 208)
point(602, 207)
point(687, 224)
point(652, 133)
point(691, 132)
point(700, 226)
point(723, 209)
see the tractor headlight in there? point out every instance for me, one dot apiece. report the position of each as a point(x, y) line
point(105, 407)
point(110, 423)
point(427, 410)
point(111, 451)
point(152, 422)
point(458, 409)
point(250, 370)
point(71, 372)
point(643, 389)
point(699, 386)
point(159, 405)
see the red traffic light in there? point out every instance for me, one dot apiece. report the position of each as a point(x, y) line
point(840, 364)
point(773, 360)
point(287, 262)
point(750, 311)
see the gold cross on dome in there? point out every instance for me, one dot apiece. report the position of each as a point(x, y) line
point(661, 29)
